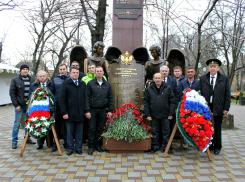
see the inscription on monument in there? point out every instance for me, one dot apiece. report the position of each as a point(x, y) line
point(128, 9)
point(133, 4)
point(127, 83)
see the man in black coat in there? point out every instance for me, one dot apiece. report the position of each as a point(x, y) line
point(76, 64)
point(72, 104)
point(42, 80)
point(159, 109)
point(98, 98)
point(215, 88)
point(19, 92)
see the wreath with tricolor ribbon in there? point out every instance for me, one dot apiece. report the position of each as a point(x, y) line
point(40, 110)
point(194, 120)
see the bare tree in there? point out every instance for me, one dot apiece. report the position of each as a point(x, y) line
point(42, 26)
point(8, 4)
point(230, 24)
point(95, 15)
point(199, 30)
point(66, 32)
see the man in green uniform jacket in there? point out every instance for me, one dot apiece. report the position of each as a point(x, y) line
point(90, 75)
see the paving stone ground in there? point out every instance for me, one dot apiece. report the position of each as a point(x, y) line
point(183, 166)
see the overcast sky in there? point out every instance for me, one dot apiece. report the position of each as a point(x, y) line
point(16, 38)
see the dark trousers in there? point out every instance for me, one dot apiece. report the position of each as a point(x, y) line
point(217, 141)
point(77, 128)
point(58, 124)
point(155, 125)
point(40, 141)
point(85, 128)
point(95, 127)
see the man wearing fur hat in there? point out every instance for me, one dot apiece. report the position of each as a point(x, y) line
point(42, 80)
point(19, 92)
point(215, 87)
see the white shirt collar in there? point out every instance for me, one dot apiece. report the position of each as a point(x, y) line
point(215, 76)
point(45, 83)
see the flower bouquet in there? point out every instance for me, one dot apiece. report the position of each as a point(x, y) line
point(194, 120)
point(126, 123)
point(38, 122)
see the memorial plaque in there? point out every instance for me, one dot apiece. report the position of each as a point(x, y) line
point(127, 83)
point(128, 9)
point(132, 4)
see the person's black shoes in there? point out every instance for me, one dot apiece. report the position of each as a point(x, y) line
point(14, 145)
point(90, 151)
point(69, 153)
point(79, 152)
point(99, 149)
point(39, 147)
point(216, 151)
point(153, 150)
point(54, 149)
point(30, 141)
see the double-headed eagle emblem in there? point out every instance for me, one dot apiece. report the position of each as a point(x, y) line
point(126, 58)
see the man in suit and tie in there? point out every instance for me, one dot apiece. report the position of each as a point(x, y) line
point(171, 81)
point(215, 88)
point(72, 105)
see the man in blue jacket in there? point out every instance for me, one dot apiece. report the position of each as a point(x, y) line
point(189, 82)
point(178, 74)
point(56, 83)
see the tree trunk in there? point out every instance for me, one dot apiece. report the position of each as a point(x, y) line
point(199, 51)
point(98, 33)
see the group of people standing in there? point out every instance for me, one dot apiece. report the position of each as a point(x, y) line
point(165, 92)
point(74, 100)
point(87, 99)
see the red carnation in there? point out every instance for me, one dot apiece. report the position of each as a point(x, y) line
point(207, 127)
point(200, 148)
point(33, 125)
point(193, 131)
point(182, 115)
point(187, 111)
point(201, 133)
point(185, 125)
point(182, 120)
point(45, 95)
point(39, 129)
